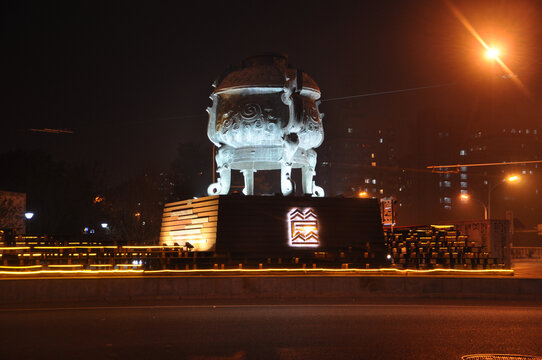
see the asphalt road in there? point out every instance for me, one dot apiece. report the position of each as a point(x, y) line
point(428, 330)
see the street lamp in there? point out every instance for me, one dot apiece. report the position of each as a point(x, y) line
point(466, 197)
point(492, 53)
point(511, 179)
point(28, 215)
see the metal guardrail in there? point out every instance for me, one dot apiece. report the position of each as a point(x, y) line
point(526, 252)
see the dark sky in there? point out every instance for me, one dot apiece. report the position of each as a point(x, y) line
point(132, 79)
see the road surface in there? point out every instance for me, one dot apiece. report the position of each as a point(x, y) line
point(414, 330)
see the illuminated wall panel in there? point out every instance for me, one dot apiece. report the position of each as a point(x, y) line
point(193, 221)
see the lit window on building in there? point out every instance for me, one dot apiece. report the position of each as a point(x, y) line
point(367, 181)
point(463, 152)
point(447, 200)
point(381, 140)
point(373, 163)
point(374, 181)
point(350, 130)
point(447, 207)
point(513, 131)
point(466, 192)
point(447, 183)
point(527, 131)
point(372, 156)
point(535, 131)
point(464, 176)
point(524, 172)
point(381, 191)
point(463, 168)
point(464, 184)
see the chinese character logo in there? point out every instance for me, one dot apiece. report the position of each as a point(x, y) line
point(303, 228)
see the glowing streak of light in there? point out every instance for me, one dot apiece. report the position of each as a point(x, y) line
point(285, 271)
point(474, 33)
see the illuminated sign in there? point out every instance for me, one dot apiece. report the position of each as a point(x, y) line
point(387, 210)
point(303, 228)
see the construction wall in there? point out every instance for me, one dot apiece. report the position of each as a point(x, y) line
point(493, 235)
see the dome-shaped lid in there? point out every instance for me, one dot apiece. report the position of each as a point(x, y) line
point(264, 70)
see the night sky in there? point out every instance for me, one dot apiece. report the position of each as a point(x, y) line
point(132, 79)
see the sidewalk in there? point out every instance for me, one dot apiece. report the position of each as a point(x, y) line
point(527, 268)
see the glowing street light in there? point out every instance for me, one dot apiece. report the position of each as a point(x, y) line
point(363, 194)
point(492, 53)
point(510, 179)
point(29, 215)
point(104, 225)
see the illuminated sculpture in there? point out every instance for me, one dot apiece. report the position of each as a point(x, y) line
point(265, 116)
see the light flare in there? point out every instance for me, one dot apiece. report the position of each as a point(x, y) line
point(489, 50)
point(492, 53)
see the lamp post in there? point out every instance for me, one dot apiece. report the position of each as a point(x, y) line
point(513, 178)
point(466, 197)
point(28, 216)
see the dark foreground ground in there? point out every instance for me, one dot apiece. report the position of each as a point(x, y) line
point(328, 329)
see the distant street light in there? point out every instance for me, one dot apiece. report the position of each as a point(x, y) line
point(104, 225)
point(466, 197)
point(29, 215)
point(511, 179)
